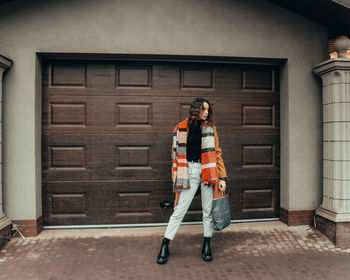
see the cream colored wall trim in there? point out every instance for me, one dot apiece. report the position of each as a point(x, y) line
point(335, 75)
point(5, 63)
point(4, 222)
point(333, 216)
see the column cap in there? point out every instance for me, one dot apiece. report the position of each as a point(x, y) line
point(335, 217)
point(5, 62)
point(331, 65)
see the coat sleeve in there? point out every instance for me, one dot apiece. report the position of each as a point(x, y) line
point(177, 194)
point(220, 166)
point(172, 159)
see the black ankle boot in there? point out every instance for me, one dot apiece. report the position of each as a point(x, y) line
point(164, 252)
point(206, 252)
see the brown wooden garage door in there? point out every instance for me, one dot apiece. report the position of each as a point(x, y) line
point(107, 130)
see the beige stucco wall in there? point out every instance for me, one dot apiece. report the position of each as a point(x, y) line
point(250, 28)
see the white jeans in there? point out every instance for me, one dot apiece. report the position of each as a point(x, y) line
point(185, 199)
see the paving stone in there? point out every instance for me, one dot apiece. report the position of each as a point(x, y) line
point(241, 252)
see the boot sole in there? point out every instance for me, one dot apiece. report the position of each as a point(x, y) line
point(162, 262)
point(207, 259)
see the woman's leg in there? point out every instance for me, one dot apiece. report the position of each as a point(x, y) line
point(185, 200)
point(207, 204)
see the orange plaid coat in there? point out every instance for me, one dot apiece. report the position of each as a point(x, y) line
point(220, 169)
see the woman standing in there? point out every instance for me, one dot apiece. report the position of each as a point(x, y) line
point(197, 161)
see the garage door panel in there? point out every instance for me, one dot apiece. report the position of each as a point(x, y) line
point(251, 156)
point(107, 135)
point(259, 79)
point(111, 78)
point(244, 116)
point(113, 202)
point(68, 203)
point(112, 115)
point(104, 202)
point(86, 115)
point(112, 157)
point(170, 76)
point(100, 76)
point(258, 115)
point(67, 75)
point(128, 114)
point(253, 197)
point(166, 79)
point(75, 114)
point(228, 80)
point(129, 76)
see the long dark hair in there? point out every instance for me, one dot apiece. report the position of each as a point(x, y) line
point(195, 109)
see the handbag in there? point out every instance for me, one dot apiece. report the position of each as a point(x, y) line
point(221, 212)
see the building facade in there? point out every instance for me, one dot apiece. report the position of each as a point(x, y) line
point(96, 87)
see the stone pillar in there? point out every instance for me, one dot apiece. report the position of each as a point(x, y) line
point(5, 222)
point(333, 217)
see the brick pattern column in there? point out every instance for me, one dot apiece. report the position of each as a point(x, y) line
point(333, 217)
point(336, 138)
point(5, 63)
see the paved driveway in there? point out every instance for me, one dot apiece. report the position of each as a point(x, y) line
point(269, 250)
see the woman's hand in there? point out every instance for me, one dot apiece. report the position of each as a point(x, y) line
point(222, 186)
